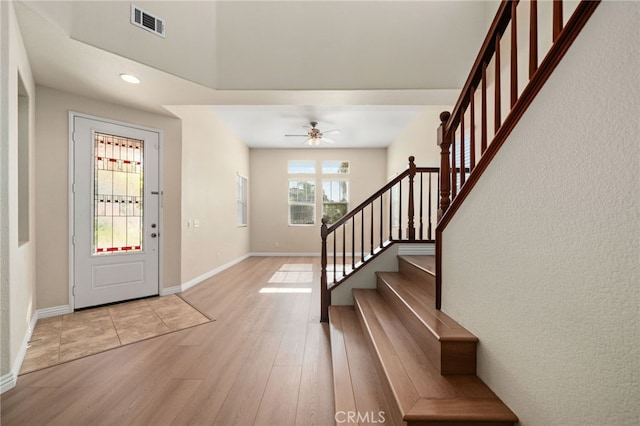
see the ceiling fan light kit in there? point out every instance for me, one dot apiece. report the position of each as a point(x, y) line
point(315, 136)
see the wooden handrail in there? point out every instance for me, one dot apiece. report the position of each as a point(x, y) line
point(452, 195)
point(371, 247)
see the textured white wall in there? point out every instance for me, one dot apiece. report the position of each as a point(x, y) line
point(542, 261)
point(17, 259)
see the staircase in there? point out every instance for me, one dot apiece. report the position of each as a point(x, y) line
point(425, 361)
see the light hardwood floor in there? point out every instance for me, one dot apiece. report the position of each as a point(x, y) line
point(265, 360)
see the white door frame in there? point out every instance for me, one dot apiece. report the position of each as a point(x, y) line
point(70, 194)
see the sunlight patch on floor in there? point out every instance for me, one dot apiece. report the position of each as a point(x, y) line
point(293, 273)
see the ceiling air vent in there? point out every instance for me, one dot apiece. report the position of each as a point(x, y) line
point(147, 21)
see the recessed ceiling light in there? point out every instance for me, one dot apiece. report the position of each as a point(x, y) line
point(130, 78)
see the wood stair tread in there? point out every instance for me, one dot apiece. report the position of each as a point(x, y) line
point(425, 262)
point(421, 304)
point(357, 387)
point(418, 388)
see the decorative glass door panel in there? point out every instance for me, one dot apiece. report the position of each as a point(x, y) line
point(118, 194)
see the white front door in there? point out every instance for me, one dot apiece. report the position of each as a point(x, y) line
point(115, 212)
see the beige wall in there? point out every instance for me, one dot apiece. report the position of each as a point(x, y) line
point(542, 260)
point(212, 157)
point(52, 216)
point(418, 139)
point(17, 259)
point(270, 231)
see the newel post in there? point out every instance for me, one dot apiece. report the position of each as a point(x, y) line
point(444, 142)
point(325, 295)
point(411, 230)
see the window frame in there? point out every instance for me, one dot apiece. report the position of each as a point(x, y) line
point(291, 203)
point(242, 212)
point(347, 196)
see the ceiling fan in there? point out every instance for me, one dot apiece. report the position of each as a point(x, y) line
point(315, 136)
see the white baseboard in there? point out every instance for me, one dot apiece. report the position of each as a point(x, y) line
point(282, 254)
point(205, 276)
point(170, 290)
point(9, 380)
point(54, 311)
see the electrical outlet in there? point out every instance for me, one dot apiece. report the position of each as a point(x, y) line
point(188, 224)
point(196, 223)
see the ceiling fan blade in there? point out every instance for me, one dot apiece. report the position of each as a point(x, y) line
point(303, 136)
point(334, 131)
point(309, 142)
point(327, 140)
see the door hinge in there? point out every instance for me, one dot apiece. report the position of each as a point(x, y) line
point(73, 290)
point(73, 188)
point(73, 240)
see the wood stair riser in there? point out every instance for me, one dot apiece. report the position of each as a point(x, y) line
point(450, 357)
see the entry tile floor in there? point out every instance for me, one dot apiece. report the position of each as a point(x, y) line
point(64, 338)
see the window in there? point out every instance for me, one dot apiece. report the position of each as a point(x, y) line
point(335, 167)
point(297, 167)
point(242, 200)
point(302, 202)
point(395, 206)
point(118, 194)
point(302, 191)
point(466, 157)
point(335, 199)
point(23, 163)
point(335, 192)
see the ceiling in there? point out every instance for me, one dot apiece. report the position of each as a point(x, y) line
point(264, 126)
point(368, 97)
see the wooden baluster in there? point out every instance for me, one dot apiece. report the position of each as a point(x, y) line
point(472, 130)
point(498, 109)
point(371, 230)
point(454, 168)
point(429, 225)
point(421, 225)
point(444, 142)
point(381, 220)
point(533, 38)
point(335, 269)
point(362, 235)
point(463, 162)
point(411, 230)
point(344, 250)
point(557, 19)
point(514, 54)
point(390, 214)
point(483, 139)
point(353, 242)
point(399, 210)
point(325, 294)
